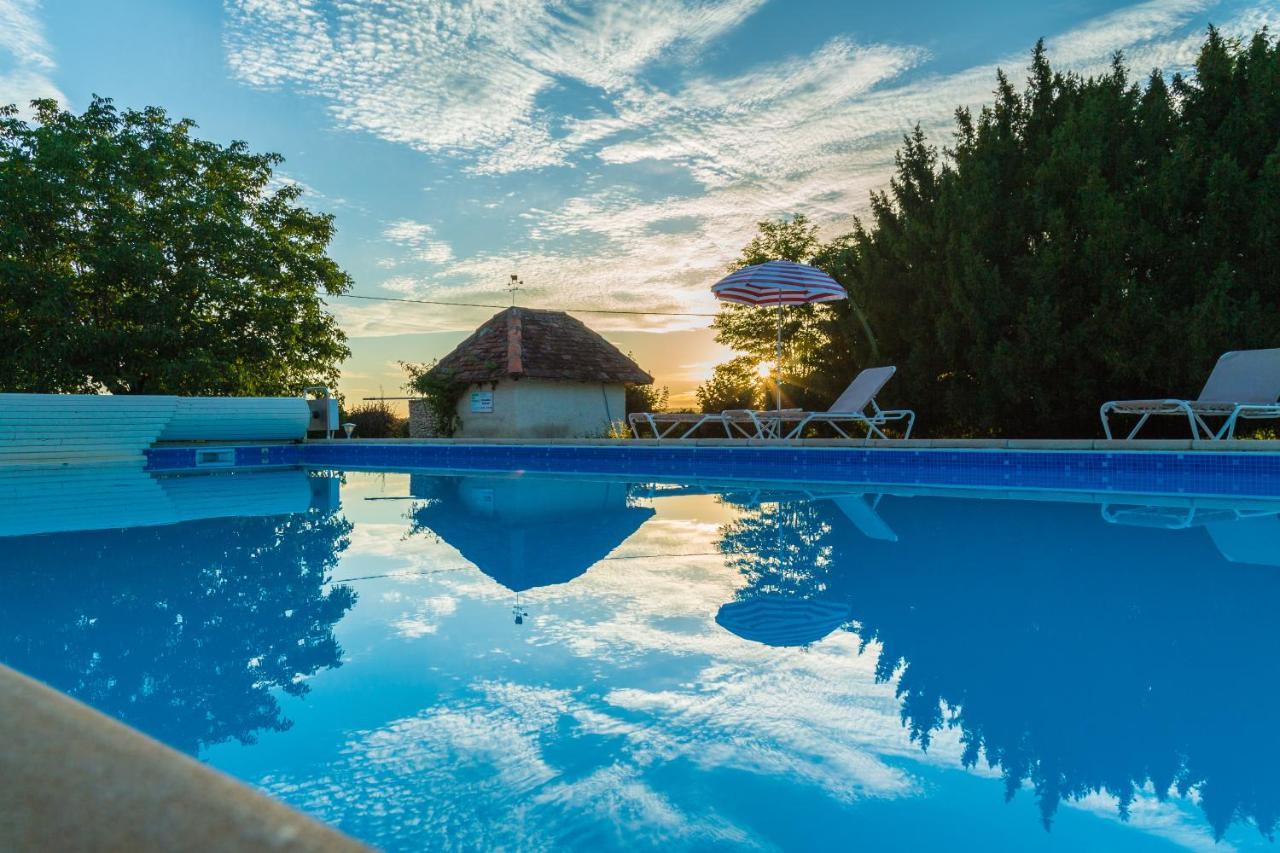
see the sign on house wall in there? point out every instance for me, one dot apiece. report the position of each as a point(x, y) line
point(482, 401)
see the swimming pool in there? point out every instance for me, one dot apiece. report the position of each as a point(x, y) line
point(467, 660)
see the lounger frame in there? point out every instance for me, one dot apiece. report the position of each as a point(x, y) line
point(857, 405)
point(1194, 411)
point(1243, 384)
point(737, 423)
point(873, 420)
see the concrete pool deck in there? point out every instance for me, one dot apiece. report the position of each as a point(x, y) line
point(74, 779)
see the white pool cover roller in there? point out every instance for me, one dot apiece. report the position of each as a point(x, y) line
point(237, 419)
point(40, 429)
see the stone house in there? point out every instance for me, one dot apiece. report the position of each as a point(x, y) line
point(534, 374)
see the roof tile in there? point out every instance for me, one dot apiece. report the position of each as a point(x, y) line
point(526, 342)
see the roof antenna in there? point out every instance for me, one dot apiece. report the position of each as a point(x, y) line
point(515, 285)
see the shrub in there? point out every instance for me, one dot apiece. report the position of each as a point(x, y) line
point(647, 398)
point(734, 385)
point(376, 419)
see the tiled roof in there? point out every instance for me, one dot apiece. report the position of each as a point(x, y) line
point(524, 342)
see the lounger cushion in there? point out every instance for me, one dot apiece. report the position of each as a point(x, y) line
point(862, 390)
point(1251, 376)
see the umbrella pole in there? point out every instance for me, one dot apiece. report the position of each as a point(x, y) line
point(777, 363)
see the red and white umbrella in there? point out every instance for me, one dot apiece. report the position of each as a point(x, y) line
point(778, 283)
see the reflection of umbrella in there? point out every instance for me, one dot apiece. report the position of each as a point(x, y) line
point(778, 283)
point(779, 620)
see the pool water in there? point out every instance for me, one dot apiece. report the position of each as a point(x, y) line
point(439, 661)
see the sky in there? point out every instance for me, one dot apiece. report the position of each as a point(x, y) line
point(615, 156)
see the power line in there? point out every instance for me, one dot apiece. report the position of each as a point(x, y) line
point(483, 305)
point(451, 569)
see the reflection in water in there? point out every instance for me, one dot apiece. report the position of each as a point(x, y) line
point(1075, 647)
point(184, 630)
point(526, 533)
point(1073, 655)
point(776, 620)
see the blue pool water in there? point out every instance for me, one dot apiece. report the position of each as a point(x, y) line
point(446, 661)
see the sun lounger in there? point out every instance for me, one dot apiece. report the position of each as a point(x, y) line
point(736, 423)
point(857, 405)
point(1242, 385)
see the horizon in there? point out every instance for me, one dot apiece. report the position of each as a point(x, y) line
point(613, 158)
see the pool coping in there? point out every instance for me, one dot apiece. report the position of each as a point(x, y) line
point(1245, 468)
point(1056, 444)
point(73, 778)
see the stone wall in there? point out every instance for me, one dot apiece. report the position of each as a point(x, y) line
point(422, 421)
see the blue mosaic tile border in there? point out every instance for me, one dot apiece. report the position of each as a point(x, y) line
point(1256, 474)
point(246, 456)
point(1246, 474)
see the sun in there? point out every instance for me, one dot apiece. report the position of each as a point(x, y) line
point(765, 369)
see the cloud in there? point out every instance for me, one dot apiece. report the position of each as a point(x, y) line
point(417, 237)
point(461, 77)
point(26, 61)
point(426, 617)
point(495, 86)
point(749, 128)
point(486, 750)
point(1167, 817)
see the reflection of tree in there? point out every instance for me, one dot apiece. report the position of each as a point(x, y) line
point(781, 547)
point(1073, 655)
point(181, 631)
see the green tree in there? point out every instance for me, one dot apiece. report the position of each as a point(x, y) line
point(736, 384)
point(1086, 239)
point(647, 398)
point(440, 391)
point(753, 331)
point(136, 258)
point(1083, 239)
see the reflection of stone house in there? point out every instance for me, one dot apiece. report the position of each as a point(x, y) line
point(528, 533)
point(535, 374)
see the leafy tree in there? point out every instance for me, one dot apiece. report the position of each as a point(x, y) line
point(136, 258)
point(1084, 239)
point(754, 330)
point(647, 398)
point(440, 391)
point(733, 385)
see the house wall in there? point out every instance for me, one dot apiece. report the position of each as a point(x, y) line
point(534, 408)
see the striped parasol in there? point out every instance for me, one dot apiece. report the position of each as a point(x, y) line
point(778, 283)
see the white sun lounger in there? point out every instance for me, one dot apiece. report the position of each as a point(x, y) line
point(738, 423)
point(857, 405)
point(1243, 384)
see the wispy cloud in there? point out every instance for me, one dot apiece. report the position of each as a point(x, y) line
point(26, 60)
point(461, 77)
point(484, 82)
point(419, 239)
